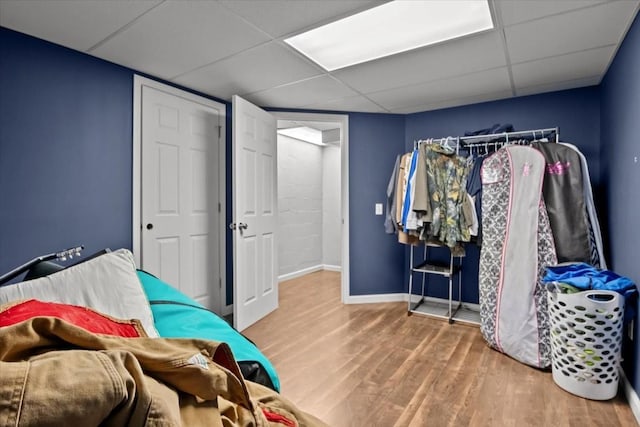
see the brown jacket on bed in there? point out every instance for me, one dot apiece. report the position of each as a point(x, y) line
point(53, 373)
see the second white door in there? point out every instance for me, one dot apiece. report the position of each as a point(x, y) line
point(255, 213)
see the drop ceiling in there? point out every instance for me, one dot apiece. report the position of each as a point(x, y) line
point(229, 47)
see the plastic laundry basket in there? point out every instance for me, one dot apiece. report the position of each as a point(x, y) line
point(586, 338)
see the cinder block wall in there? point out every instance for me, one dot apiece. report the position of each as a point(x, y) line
point(299, 205)
point(331, 218)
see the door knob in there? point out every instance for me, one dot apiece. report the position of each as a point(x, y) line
point(149, 226)
point(243, 226)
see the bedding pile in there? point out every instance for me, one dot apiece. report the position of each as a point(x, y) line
point(80, 347)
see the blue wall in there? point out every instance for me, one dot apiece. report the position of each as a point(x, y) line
point(66, 125)
point(576, 112)
point(65, 150)
point(620, 148)
point(376, 258)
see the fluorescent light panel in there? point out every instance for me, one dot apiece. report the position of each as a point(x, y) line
point(391, 28)
point(304, 133)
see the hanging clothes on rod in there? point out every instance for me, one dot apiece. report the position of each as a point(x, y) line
point(534, 207)
point(446, 176)
point(563, 191)
point(595, 236)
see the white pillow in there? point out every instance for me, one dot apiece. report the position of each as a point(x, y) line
point(108, 284)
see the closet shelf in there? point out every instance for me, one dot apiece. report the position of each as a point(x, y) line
point(443, 309)
point(441, 269)
point(438, 308)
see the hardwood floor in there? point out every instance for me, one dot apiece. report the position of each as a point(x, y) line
point(372, 365)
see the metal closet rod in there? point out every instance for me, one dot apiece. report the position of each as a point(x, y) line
point(506, 135)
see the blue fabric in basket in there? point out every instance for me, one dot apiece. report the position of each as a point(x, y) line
point(182, 321)
point(586, 277)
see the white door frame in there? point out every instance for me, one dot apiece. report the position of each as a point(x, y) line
point(343, 119)
point(138, 83)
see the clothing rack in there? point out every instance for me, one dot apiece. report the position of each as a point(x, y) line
point(450, 309)
point(494, 139)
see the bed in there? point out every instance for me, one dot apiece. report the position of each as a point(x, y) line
point(109, 290)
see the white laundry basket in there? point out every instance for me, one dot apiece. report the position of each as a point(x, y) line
point(586, 339)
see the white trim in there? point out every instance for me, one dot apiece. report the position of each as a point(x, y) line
point(300, 273)
point(374, 299)
point(343, 119)
point(138, 83)
point(631, 395)
point(137, 170)
point(402, 297)
point(308, 270)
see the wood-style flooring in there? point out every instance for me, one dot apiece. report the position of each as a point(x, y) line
point(372, 365)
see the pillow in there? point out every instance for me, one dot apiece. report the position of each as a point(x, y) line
point(82, 317)
point(107, 284)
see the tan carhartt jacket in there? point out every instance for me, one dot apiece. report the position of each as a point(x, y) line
point(53, 373)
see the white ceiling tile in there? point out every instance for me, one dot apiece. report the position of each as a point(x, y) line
point(453, 103)
point(516, 11)
point(253, 70)
point(569, 32)
point(178, 36)
point(574, 66)
point(461, 56)
point(495, 80)
point(224, 48)
point(555, 86)
point(352, 103)
point(71, 23)
point(306, 92)
point(281, 17)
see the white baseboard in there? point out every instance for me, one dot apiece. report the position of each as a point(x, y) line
point(372, 299)
point(376, 298)
point(299, 273)
point(329, 267)
point(632, 396)
point(308, 270)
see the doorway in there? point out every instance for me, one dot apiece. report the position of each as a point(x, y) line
point(255, 207)
point(312, 195)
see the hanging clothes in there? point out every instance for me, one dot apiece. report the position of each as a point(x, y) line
point(446, 183)
point(563, 192)
point(401, 181)
point(390, 222)
point(517, 246)
point(496, 128)
point(474, 228)
point(409, 217)
point(474, 188)
point(595, 236)
point(422, 202)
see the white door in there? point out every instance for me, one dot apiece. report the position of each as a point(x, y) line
point(255, 285)
point(180, 200)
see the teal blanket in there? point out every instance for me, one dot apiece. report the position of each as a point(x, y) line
point(183, 317)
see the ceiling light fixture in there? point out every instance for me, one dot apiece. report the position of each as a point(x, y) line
point(304, 133)
point(391, 28)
